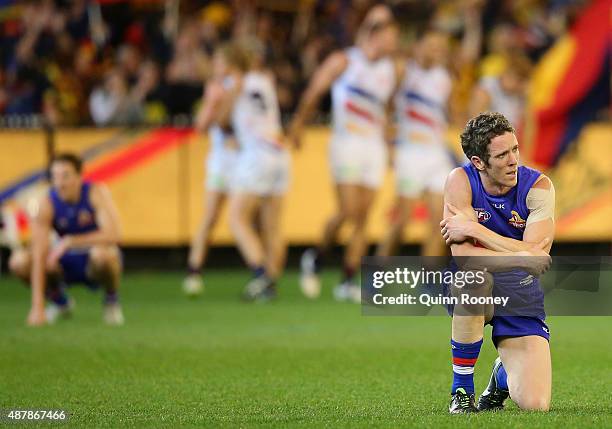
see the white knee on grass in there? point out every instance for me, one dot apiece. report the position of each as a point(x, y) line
point(531, 401)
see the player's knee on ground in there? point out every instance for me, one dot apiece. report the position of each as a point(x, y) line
point(531, 401)
point(103, 257)
point(19, 264)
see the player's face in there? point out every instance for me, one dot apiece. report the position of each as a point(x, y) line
point(503, 160)
point(388, 38)
point(434, 48)
point(511, 83)
point(66, 180)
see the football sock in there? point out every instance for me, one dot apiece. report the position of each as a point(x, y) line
point(348, 273)
point(111, 297)
point(193, 270)
point(465, 356)
point(319, 258)
point(502, 378)
point(259, 271)
point(57, 294)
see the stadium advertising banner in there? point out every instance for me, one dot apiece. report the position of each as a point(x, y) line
point(149, 169)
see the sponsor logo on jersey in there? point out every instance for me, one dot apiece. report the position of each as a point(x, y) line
point(482, 215)
point(516, 220)
point(501, 206)
point(62, 223)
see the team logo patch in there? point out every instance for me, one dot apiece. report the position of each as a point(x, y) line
point(516, 221)
point(482, 215)
point(527, 280)
point(84, 218)
point(62, 222)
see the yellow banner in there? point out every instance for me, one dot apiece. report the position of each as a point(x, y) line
point(161, 200)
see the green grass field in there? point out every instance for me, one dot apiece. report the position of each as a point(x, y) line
point(219, 362)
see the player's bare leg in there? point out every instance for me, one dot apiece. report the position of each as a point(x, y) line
point(272, 235)
point(390, 243)
point(105, 268)
point(357, 245)
point(214, 201)
point(347, 197)
point(347, 204)
point(274, 243)
point(469, 320)
point(527, 363)
point(243, 209)
point(199, 245)
point(60, 305)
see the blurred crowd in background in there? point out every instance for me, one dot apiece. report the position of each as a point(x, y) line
point(120, 62)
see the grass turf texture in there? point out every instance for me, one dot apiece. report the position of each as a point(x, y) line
point(216, 361)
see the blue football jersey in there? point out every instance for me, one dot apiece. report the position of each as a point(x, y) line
point(507, 216)
point(77, 218)
point(504, 214)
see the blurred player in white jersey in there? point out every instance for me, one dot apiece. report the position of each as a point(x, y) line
point(362, 80)
point(261, 175)
point(422, 160)
point(219, 168)
point(504, 93)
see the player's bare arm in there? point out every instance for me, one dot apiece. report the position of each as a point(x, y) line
point(211, 99)
point(399, 63)
point(225, 106)
point(540, 223)
point(319, 84)
point(41, 228)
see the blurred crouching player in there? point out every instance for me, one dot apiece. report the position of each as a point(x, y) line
point(84, 217)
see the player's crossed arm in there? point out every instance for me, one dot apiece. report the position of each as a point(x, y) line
point(459, 226)
point(539, 228)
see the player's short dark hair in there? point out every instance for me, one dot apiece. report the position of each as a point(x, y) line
point(480, 130)
point(71, 159)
